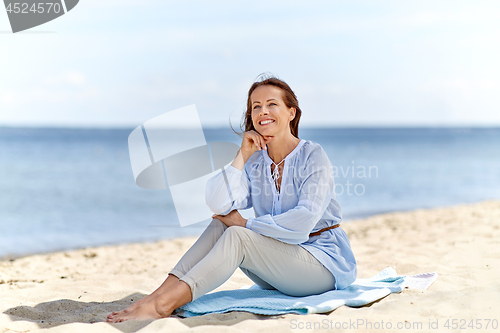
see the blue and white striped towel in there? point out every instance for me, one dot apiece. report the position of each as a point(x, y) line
point(273, 302)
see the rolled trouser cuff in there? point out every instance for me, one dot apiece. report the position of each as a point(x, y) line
point(177, 273)
point(192, 284)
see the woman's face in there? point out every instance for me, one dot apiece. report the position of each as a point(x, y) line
point(267, 104)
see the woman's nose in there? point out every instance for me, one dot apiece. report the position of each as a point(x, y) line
point(263, 111)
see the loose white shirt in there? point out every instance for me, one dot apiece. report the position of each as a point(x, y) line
point(305, 203)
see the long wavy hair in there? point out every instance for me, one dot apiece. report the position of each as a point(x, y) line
point(288, 96)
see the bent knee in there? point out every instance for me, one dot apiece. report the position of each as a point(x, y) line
point(217, 224)
point(239, 232)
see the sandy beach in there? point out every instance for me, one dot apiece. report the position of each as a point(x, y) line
point(74, 291)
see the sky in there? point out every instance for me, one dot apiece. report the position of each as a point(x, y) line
point(119, 63)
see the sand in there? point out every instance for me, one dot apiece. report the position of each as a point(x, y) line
point(73, 291)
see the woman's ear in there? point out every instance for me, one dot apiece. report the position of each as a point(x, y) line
point(292, 113)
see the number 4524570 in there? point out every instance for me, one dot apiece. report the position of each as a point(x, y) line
point(40, 8)
point(464, 324)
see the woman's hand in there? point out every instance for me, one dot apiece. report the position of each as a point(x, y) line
point(253, 141)
point(231, 219)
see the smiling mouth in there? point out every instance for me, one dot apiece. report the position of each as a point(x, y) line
point(266, 122)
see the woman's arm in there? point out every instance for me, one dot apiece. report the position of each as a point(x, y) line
point(230, 188)
point(315, 193)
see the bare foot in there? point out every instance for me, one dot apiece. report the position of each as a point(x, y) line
point(161, 306)
point(131, 307)
point(147, 310)
point(169, 282)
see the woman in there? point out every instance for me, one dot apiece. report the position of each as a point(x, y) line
point(294, 244)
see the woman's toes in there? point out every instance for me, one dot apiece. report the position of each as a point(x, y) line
point(114, 314)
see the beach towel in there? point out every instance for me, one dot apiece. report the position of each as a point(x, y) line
point(272, 302)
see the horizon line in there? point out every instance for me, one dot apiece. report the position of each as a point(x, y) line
point(212, 127)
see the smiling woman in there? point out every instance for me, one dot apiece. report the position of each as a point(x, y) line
point(279, 90)
point(273, 112)
point(293, 244)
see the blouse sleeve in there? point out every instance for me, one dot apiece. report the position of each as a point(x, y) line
point(228, 190)
point(315, 192)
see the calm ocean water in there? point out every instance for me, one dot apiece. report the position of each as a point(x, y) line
point(70, 188)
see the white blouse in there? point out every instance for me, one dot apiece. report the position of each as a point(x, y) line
point(305, 204)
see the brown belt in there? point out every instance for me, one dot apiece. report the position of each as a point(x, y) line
point(324, 229)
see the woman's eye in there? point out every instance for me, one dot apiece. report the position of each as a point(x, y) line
point(255, 107)
point(273, 104)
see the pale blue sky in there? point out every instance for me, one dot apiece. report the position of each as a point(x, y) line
point(118, 63)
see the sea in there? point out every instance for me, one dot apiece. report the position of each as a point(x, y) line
point(69, 188)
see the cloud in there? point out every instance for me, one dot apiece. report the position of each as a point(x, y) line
point(363, 64)
point(459, 88)
point(469, 100)
point(427, 18)
point(68, 86)
point(18, 98)
point(71, 77)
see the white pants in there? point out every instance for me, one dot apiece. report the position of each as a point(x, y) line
point(268, 262)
